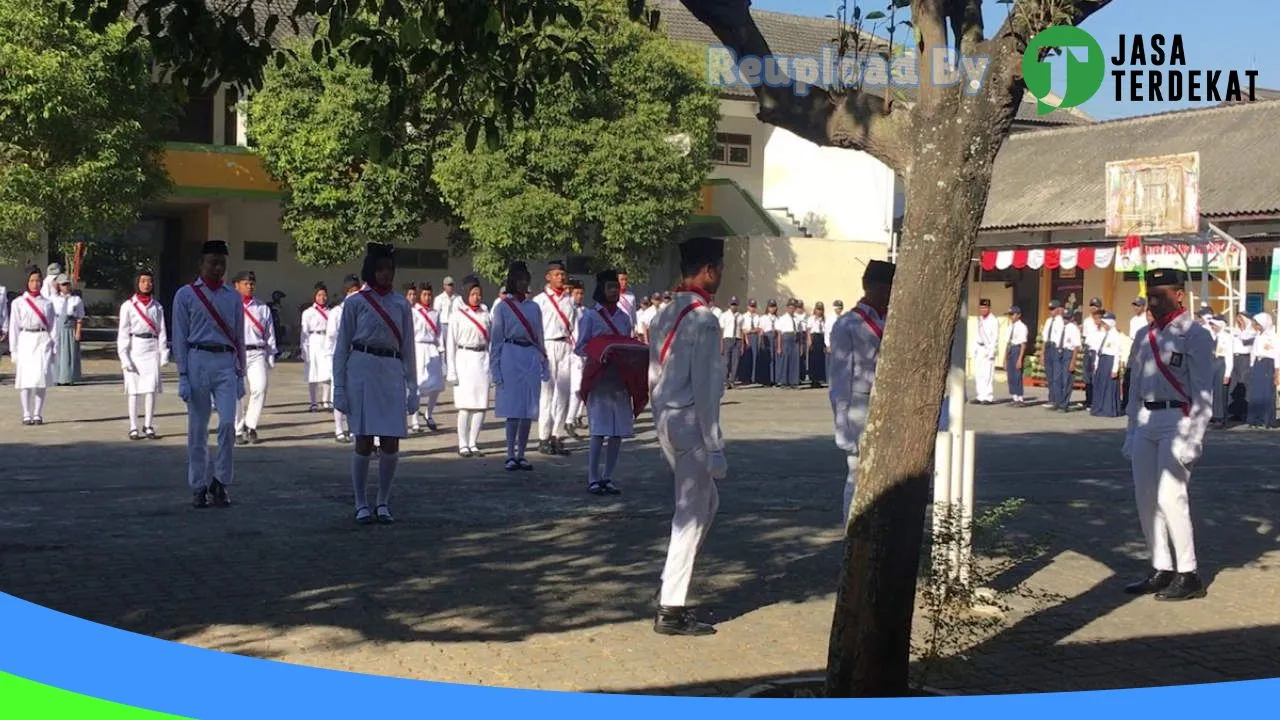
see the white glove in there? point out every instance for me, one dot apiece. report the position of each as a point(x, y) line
point(1185, 452)
point(451, 379)
point(130, 368)
point(717, 465)
point(412, 403)
point(271, 361)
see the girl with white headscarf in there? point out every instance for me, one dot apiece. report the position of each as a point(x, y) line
point(1223, 362)
point(1112, 352)
point(1242, 336)
point(1262, 373)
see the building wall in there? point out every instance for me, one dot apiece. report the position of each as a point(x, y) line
point(739, 117)
point(810, 269)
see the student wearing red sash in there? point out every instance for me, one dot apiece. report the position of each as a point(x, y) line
point(260, 358)
point(855, 350)
point(375, 378)
point(208, 348)
point(350, 286)
point(517, 363)
point(314, 331)
point(33, 346)
point(467, 364)
point(555, 303)
point(609, 406)
point(428, 348)
point(1170, 404)
point(577, 364)
point(142, 344)
point(686, 372)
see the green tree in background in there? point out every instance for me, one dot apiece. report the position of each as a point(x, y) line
point(612, 172)
point(80, 128)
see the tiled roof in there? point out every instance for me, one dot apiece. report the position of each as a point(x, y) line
point(1057, 177)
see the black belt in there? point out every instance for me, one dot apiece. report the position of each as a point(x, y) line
point(377, 351)
point(319, 332)
point(214, 348)
point(35, 330)
point(521, 343)
point(255, 347)
point(474, 348)
point(145, 336)
point(1165, 405)
point(559, 339)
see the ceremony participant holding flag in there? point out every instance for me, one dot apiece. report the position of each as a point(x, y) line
point(33, 346)
point(428, 347)
point(260, 357)
point(518, 363)
point(467, 365)
point(208, 347)
point(142, 344)
point(375, 377)
point(315, 350)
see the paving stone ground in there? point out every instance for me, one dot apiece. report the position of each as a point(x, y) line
point(526, 580)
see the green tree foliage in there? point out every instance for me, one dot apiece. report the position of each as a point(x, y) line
point(80, 122)
point(591, 172)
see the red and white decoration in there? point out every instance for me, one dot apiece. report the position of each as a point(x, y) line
point(1083, 258)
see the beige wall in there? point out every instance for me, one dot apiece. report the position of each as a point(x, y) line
point(739, 117)
point(811, 269)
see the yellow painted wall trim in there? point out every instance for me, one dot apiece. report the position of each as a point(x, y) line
point(212, 170)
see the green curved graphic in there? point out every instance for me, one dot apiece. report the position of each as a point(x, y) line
point(22, 699)
point(1084, 76)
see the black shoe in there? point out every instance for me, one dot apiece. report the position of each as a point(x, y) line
point(431, 425)
point(253, 436)
point(595, 488)
point(218, 494)
point(1154, 582)
point(1185, 586)
point(242, 438)
point(609, 488)
point(558, 445)
point(546, 448)
point(680, 621)
point(572, 430)
point(201, 499)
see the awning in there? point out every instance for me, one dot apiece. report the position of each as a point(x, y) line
point(1083, 258)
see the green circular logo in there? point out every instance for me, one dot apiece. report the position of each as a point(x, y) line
point(1086, 67)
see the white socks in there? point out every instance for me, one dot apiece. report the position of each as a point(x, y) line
point(25, 397)
point(32, 400)
point(473, 432)
point(311, 388)
point(149, 407)
point(464, 418)
point(39, 393)
point(338, 423)
point(386, 473)
point(133, 412)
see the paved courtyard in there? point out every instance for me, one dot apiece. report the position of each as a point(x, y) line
point(526, 580)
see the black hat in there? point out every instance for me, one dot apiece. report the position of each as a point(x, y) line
point(215, 247)
point(1015, 310)
point(1055, 304)
point(1095, 302)
point(879, 272)
point(380, 250)
point(468, 282)
point(321, 286)
point(555, 265)
point(751, 303)
point(604, 277)
point(701, 251)
point(837, 303)
point(733, 301)
point(772, 303)
point(34, 270)
point(983, 302)
point(1162, 277)
point(245, 275)
point(350, 281)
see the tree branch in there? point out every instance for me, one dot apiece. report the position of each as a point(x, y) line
point(966, 24)
point(930, 18)
point(1029, 17)
point(857, 120)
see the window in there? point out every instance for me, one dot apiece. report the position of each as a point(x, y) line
point(422, 259)
point(257, 251)
point(195, 122)
point(732, 149)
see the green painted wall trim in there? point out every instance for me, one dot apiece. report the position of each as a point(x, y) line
point(28, 700)
point(201, 147)
point(226, 193)
point(713, 220)
point(760, 211)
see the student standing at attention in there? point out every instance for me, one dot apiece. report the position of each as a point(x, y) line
point(208, 348)
point(428, 348)
point(467, 365)
point(517, 363)
point(577, 364)
point(818, 347)
point(787, 351)
point(985, 349)
point(314, 329)
point(69, 311)
point(1051, 354)
point(260, 358)
point(33, 346)
point(375, 377)
point(1223, 361)
point(1015, 354)
point(1113, 352)
point(731, 341)
point(555, 305)
point(350, 286)
point(142, 344)
point(609, 404)
point(686, 375)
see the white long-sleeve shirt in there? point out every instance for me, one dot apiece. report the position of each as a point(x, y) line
point(855, 352)
point(1137, 326)
point(137, 318)
point(426, 327)
point(1224, 346)
point(557, 314)
point(263, 339)
point(693, 373)
point(22, 318)
point(445, 304)
point(986, 339)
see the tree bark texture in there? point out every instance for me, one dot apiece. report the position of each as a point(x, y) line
point(945, 145)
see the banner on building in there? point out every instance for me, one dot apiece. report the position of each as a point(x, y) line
point(1177, 256)
point(1273, 290)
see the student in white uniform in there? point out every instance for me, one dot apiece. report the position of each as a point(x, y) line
point(555, 305)
point(1137, 329)
point(686, 377)
point(33, 347)
point(259, 355)
point(627, 299)
point(986, 345)
point(609, 404)
point(142, 344)
point(351, 286)
point(818, 348)
point(1264, 359)
point(428, 348)
point(1171, 401)
point(375, 374)
point(855, 352)
point(517, 363)
point(766, 358)
point(787, 350)
point(445, 303)
point(802, 342)
point(1223, 368)
point(1243, 337)
point(314, 329)
point(1112, 353)
point(1072, 348)
point(1015, 355)
point(577, 408)
point(467, 365)
point(68, 310)
point(208, 347)
point(750, 344)
point(1091, 331)
point(645, 315)
point(731, 342)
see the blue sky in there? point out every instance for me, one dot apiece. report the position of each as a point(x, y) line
point(1219, 35)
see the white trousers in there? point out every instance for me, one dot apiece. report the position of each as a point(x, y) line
point(696, 496)
point(576, 407)
point(984, 375)
point(1160, 488)
point(213, 381)
point(553, 403)
point(249, 410)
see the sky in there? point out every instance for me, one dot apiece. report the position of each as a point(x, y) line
point(1218, 35)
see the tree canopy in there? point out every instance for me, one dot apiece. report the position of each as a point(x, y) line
point(80, 128)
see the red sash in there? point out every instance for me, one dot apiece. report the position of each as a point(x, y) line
point(368, 296)
point(262, 332)
point(143, 314)
point(605, 315)
point(427, 316)
point(36, 309)
point(875, 327)
point(323, 313)
point(217, 318)
point(1168, 374)
point(533, 338)
point(666, 346)
point(467, 314)
point(568, 329)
